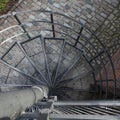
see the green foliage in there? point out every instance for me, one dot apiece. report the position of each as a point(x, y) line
point(3, 4)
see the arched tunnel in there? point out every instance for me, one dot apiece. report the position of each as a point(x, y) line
point(52, 49)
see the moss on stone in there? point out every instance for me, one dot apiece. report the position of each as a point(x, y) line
point(3, 4)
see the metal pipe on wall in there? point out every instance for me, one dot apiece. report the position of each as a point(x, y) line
point(14, 102)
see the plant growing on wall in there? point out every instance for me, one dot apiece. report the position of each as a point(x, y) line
point(6, 5)
point(3, 4)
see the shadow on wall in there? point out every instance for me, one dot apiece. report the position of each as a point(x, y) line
point(116, 62)
point(5, 118)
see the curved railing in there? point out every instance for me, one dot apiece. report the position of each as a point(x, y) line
point(57, 25)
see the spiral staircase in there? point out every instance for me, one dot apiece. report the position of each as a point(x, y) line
point(51, 49)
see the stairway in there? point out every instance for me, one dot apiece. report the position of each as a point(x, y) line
point(46, 61)
point(49, 48)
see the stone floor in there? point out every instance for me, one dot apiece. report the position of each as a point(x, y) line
point(89, 12)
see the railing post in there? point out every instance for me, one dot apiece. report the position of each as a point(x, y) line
point(78, 36)
point(53, 27)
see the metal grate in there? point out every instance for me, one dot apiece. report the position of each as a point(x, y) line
point(82, 110)
point(88, 110)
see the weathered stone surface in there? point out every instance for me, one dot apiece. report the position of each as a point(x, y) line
point(67, 7)
point(50, 1)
